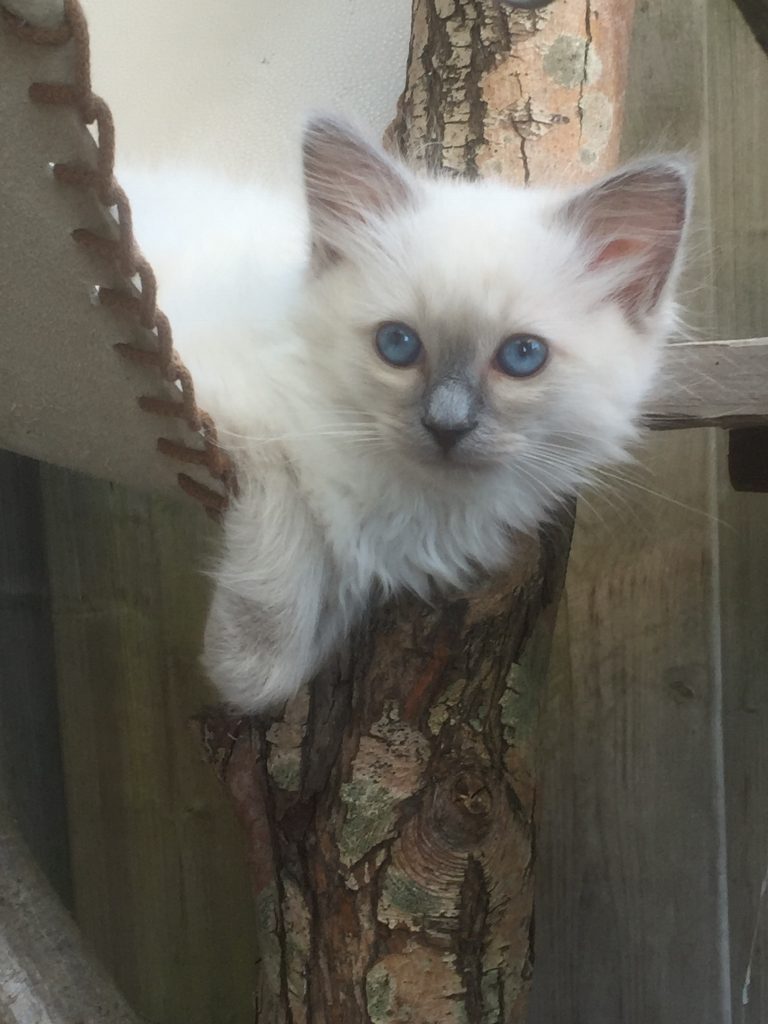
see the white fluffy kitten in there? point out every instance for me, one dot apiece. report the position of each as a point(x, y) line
point(452, 360)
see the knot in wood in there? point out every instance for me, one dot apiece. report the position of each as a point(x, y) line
point(463, 808)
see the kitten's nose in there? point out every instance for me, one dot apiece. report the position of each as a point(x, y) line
point(450, 410)
point(447, 435)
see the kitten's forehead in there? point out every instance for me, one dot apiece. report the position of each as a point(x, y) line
point(483, 221)
point(471, 252)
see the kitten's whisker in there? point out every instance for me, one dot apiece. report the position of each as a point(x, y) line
point(611, 477)
point(332, 425)
point(583, 451)
point(352, 431)
point(556, 500)
point(578, 490)
point(592, 480)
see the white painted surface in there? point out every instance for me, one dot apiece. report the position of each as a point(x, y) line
point(228, 84)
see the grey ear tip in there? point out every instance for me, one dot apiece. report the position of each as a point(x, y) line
point(323, 124)
point(683, 165)
point(680, 166)
point(671, 174)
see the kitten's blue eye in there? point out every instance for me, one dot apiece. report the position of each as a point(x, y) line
point(398, 344)
point(522, 355)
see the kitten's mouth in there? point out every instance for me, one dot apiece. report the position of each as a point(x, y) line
point(455, 459)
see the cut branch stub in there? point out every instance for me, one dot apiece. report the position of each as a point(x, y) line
point(390, 809)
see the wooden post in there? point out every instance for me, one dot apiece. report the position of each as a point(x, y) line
point(160, 884)
point(389, 810)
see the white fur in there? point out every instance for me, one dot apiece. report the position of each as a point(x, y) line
point(344, 494)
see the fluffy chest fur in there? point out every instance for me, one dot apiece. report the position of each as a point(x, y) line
point(392, 529)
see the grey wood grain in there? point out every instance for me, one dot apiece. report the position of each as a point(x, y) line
point(632, 903)
point(161, 884)
point(738, 162)
point(30, 754)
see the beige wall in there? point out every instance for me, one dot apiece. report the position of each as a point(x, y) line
point(228, 83)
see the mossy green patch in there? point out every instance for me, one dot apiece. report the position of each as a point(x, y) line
point(369, 818)
point(285, 769)
point(442, 712)
point(519, 704)
point(267, 903)
point(379, 992)
point(565, 59)
point(490, 992)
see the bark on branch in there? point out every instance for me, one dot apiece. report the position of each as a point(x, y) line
point(390, 811)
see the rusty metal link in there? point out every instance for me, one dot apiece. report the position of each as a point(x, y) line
point(123, 253)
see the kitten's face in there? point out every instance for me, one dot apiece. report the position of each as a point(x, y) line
point(481, 328)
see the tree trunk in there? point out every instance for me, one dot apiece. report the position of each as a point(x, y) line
point(390, 813)
point(390, 810)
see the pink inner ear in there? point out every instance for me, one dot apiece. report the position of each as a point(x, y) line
point(633, 223)
point(642, 290)
point(618, 249)
point(648, 267)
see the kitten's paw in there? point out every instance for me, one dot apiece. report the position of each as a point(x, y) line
point(248, 658)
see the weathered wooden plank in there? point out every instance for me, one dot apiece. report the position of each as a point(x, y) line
point(30, 754)
point(631, 902)
point(738, 161)
point(629, 906)
point(712, 383)
point(161, 887)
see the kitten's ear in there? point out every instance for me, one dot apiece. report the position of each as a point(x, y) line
point(349, 182)
point(632, 224)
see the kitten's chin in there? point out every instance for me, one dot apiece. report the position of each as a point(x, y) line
point(452, 463)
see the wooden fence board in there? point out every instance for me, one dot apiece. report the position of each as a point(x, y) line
point(632, 903)
point(161, 887)
point(738, 161)
point(30, 753)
